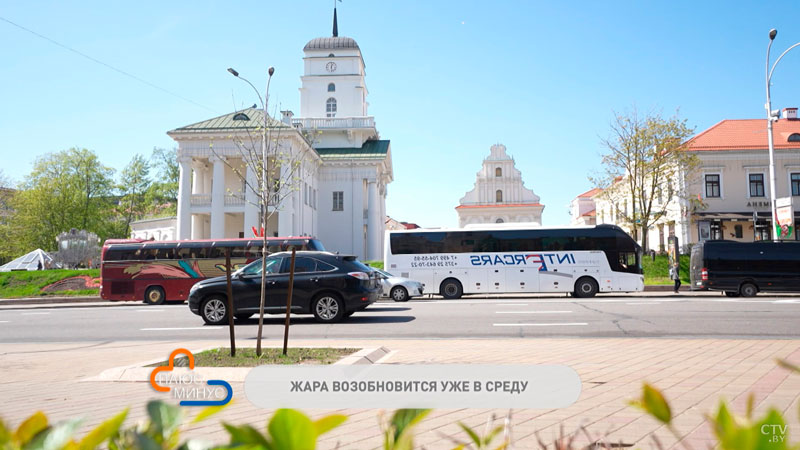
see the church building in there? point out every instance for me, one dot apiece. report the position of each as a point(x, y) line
point(335, 186)
point(499, 194)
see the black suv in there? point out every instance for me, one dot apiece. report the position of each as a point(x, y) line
point(328, 285)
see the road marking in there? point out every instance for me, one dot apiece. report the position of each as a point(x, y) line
point(786, 301)
point(3, 321)
point(532, 312)
point(643, 303)
point(512, 304)
point(566, 324)
point(149, 310)
point(35, 314)
point(178, 329)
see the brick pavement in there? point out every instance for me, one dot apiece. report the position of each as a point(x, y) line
point(694, 374)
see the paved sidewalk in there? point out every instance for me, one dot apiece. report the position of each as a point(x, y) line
point(694, 374)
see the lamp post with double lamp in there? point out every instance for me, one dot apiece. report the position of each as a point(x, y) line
point(771, 117)
point(264, 196)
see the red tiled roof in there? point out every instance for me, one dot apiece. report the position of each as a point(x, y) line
point(500, 205)
point(745, 134)
point(590, 193)
point(591, 213)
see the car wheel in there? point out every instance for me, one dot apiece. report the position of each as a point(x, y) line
point(328, 308)
point(399, 294)
point(731, 294)
point(243, 316)
point(214, 311)
point(748, 290)
point(154, 295)
point(585, 288)
point(451, 289)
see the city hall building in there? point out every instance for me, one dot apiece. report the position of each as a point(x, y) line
point(333, 167)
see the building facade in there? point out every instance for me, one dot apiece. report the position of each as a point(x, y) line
point(728, 195)
point(583, 208)
point(329, 165)
point(499, 194)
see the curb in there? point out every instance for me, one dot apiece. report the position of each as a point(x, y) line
point(663, 288)
point(48, 300)
point(139, 373)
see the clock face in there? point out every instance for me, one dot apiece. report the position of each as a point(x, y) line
point(330, 67)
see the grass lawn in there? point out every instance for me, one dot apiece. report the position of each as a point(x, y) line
point(378, 264)
point(246, 357)
point(657, 272)
point(29, 283)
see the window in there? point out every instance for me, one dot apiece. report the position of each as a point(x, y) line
point(305, 193)
point(499, 221)
point(712, 186)
point(330, 55)
point(498, 172)
point(338, 201)
point(737, 229)
point(331, 87)
point(794, 137)
point(795, 179)
point(756, 184)
point(241, 116)
point(498, 196)
point(254, 268)
point(302, 264)
point(330, 107)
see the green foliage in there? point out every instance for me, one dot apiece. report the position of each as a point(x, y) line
point(162, 194)
point(133, 186)
point(653, 402)
point(68, 189)
point(287, 430)
point(29, 283)
point(482, 443)
point(377, 264)
point(657, 272)
point(398, 434)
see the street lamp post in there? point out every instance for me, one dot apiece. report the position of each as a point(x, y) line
point(264, 197)
point(771, 117)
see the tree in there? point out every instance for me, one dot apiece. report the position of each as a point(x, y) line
point(647, 167)
point(163, 191)
point(279, 167)
point(134, 184)
point(65, 190)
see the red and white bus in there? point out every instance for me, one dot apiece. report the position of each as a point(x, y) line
point(159, 271)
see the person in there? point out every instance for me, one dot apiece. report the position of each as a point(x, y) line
point(674, 273)
point(39, 266)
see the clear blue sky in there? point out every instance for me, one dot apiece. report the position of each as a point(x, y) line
point(447, 79)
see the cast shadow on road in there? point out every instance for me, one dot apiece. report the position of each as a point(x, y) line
point(352, 320)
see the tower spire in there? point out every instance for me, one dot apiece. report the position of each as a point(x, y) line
point(335, 25)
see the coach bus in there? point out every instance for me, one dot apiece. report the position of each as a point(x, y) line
point(159, 271)
point(500, 259)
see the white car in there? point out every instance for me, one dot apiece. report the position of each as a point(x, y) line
point(399, 289)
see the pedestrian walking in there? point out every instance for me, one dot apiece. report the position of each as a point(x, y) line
point(674, 273)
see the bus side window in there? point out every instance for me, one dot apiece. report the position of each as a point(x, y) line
point(184, 253)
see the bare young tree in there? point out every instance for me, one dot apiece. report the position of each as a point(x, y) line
point(646, 167)
point(276, 168)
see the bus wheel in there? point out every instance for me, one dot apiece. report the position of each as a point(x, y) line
point(399, 294)
point(214, 311)
point(748, 290)
point(585, 287)
point(154, 295)
point(451, 289)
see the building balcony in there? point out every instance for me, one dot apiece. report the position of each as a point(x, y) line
point(234, 199)
point(201, 200)
point(335, 123)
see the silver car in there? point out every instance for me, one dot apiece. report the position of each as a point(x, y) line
point(399, 289)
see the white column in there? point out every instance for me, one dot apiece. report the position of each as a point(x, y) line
point(197, 226)
point(374, 222)
point(286, 221)
point(251, 202)
point(184, 197)
point(218, 198)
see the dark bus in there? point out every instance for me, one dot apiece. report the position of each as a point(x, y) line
point(746, 268)
point(159, 271)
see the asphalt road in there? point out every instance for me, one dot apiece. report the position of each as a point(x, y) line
point(642, 315)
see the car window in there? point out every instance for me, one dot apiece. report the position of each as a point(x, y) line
point(324, 267)
point(254, 268)
point(303, 264)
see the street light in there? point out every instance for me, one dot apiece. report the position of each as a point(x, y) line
point(771, 117)
point(264, 196)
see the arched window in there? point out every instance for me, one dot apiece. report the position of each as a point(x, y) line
point(498, 172)
point(331, 87)
point(499, 221)
point(330, 55)
point(498, 196)
point(794, 137)
point(330, 107)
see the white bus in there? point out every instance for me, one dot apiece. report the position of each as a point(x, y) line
point(491, 259)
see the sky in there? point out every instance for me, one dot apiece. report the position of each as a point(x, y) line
point(446, 79)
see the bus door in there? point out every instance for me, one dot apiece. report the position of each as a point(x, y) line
point(522, 278)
